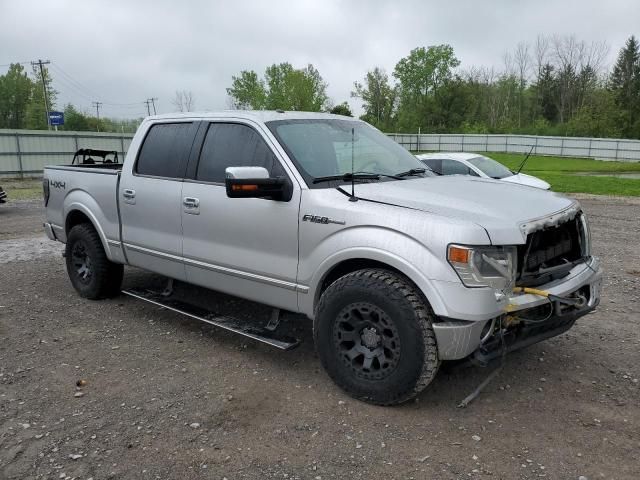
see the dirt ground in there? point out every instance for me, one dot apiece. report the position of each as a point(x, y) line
point(167, 397)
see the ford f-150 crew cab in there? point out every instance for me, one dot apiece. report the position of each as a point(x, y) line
point(324, 215)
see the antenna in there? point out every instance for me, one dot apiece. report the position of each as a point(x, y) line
point(525, 159)
point(353, 180)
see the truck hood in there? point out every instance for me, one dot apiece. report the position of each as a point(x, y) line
point(508, 212)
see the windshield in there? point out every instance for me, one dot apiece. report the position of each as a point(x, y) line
point(490, 167)
point(324, 147)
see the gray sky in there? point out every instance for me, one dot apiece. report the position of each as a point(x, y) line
point(123, 52)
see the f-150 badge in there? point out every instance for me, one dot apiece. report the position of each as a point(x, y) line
point(319, 219)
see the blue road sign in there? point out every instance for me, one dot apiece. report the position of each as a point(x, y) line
point(56, 118)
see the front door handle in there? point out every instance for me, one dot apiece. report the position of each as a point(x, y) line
point(191, 202)
point(129, 196)
point(191, 205)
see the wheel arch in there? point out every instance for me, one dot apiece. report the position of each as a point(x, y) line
point(333, 270)
point(78, 214)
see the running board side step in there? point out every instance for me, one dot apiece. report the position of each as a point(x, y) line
point(261, 334)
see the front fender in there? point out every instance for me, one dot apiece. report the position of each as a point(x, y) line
point(383, 245)
point(425, 285)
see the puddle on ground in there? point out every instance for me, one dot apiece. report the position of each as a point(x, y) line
point(635, 175)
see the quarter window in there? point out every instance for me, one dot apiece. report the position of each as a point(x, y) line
point(234, 145)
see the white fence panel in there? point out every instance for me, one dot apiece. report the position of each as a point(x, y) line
point(27, 152)
point(597, 148)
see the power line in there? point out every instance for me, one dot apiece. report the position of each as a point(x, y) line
point(14, 63)
point(75, 84)
point(147, 101)
point(80, 87)
point(70, 91)
point(67, 86)
point(76, 88)
point(40, 63)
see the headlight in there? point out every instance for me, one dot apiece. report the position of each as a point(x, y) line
point(585, 235)
point(493, 267)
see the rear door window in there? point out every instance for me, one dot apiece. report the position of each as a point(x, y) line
point(165, 150)
point(234, 145)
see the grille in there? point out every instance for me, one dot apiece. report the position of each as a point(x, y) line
point(549, 253)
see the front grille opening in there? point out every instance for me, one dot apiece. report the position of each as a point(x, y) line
point(550, 253)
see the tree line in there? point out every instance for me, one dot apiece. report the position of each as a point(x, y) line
point(22, 105)
point(556, 86)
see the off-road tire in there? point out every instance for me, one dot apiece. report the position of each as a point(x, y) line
point(404, 313)
point(100, 278)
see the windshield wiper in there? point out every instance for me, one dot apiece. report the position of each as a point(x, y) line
point(410, 173)
point(347, 177)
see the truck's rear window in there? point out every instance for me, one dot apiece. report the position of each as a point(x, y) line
point(164, 149)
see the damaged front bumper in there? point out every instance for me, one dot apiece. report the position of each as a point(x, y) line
point(458, 339)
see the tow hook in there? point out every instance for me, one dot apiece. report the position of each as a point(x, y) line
point(578, 301)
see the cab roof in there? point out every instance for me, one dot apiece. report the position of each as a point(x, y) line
point(256, 115)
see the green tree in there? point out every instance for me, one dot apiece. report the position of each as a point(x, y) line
point(597, 118)
point(379, 99)
point(545, 89)
point(283, 87)
point(247, 91)
point(342, 109)
point(625, 85)
point(420, 75)
point(75, 120)
point(15, 91)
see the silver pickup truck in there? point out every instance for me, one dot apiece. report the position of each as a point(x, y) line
point(399, 269)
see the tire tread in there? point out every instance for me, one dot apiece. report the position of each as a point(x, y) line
point(108, 275)
point(399, 289)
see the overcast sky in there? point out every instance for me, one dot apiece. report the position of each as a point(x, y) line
point(126, 51)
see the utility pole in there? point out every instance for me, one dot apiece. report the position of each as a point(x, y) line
point(147, 101)
point(40, 63)
point(154, 104)
point(97, 105)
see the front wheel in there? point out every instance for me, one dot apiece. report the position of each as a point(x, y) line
point(91, 273)
point(374, 337)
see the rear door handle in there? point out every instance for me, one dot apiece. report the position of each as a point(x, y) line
point(191, 205)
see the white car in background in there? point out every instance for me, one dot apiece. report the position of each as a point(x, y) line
point(462, 163)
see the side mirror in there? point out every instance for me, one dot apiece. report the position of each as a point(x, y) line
point(254, 182)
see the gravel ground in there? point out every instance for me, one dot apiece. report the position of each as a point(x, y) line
point(168, 397)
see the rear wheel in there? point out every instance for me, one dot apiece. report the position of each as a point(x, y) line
point(91, 273)
point(374, 337)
